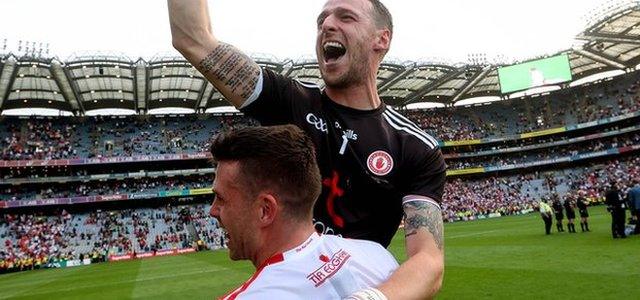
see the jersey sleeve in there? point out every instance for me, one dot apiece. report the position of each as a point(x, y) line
point(280, 99)
point(425, 174)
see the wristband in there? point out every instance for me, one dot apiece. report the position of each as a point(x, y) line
point(367, 294)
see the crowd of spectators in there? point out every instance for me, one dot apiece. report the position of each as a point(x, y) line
point(541, 154)
point(32, 241)
point(595, 180)
point(471, 199)
point(110, 187)
point(88, 137)
point(37, 139)
point(208, 228)
point(577, 105)
point(450, 124)
point(466, 199)
point(71, 137)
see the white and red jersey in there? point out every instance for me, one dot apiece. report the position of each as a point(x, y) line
point(323, 267)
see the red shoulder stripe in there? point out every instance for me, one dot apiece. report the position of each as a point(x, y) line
point(272, 260)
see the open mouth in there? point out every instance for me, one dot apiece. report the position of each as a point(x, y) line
point(333, 51)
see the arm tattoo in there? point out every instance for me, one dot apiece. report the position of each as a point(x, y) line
point(419, 214)
point(232, 68)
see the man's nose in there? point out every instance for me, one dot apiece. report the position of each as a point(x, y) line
point(215, 210)
point(328, 24)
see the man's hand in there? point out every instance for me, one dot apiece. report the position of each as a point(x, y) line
point(232, 72)
point(420, 277)
point(367, 294)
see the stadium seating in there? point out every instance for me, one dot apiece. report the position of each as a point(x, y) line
point(30, 241)
point(66, 138)
point(32, 237)
point(577, 105)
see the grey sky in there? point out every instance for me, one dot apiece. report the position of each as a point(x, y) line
point(447, 30)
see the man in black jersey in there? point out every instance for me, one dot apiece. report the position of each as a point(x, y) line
point(582, 204)
point(557, 210)
point(615, 205)
point(569, 208)
point(377, 166)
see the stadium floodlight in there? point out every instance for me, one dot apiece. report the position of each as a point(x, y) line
point(477, 59)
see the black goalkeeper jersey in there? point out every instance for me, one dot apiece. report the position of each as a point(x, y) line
point(370, 160)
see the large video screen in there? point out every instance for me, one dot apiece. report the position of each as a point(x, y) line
point(534, 73)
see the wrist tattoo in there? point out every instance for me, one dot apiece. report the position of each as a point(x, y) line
point(420, 214)
point(233, 69)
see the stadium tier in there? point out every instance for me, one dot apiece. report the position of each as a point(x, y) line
point(146, 157)
point(561, 108)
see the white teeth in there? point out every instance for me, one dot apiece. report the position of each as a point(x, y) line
point(333, 44)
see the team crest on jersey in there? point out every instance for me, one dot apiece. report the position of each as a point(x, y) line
point(380, 163)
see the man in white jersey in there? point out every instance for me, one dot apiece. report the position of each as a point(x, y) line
point(266, 184)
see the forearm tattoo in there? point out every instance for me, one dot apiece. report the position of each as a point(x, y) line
point(420, 214)
point(232, 68)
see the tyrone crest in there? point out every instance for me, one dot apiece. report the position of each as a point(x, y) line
point(380, 163)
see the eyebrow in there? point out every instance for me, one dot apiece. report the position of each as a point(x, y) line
point(343, 10)
point(321, 16)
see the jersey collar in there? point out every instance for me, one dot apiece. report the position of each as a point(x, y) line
point(350, 110)
point(311, 243)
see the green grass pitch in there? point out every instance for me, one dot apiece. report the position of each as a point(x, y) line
point(507, 258)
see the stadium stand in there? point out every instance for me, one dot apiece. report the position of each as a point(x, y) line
point(571, 106)
point(31, 241)
point(69, 138)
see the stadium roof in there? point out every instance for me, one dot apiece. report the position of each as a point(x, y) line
point(610, 42)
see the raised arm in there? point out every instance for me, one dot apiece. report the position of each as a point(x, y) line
point(232, 72)
point(420, 277)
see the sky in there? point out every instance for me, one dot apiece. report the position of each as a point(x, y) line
point(445, 31)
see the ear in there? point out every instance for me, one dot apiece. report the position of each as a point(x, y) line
point(267, 209)
point(382, 40)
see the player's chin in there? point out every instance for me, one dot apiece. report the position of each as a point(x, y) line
point(233, 257)
point(233, 254)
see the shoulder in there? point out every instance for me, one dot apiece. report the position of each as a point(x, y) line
point(366, 248)
point(408, 131)
point(272, 77)
point(284, 280)
point(308, 85)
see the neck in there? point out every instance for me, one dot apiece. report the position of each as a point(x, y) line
point(363, 96)
point(280, 239)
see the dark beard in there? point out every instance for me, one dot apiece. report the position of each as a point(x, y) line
point(354, 76)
